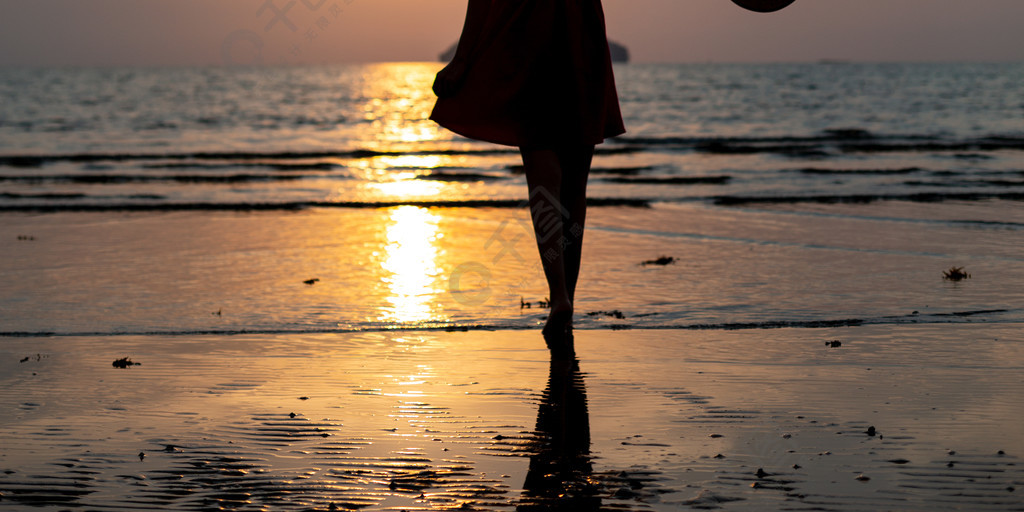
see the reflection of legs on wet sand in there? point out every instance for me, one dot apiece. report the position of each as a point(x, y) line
point(560, 476)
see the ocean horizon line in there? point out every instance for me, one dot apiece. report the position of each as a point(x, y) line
point(633, 62)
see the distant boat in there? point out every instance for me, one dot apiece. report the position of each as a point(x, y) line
point(619, 52)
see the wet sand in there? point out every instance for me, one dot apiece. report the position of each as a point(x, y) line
point(171, 273)
point(892, 417)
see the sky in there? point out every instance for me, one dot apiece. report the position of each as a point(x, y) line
point(217, 32)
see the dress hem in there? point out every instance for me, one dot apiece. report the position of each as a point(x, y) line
point(469, 133)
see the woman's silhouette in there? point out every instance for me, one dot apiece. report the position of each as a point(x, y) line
point(536, 74)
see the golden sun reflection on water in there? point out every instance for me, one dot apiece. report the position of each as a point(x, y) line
point(408, 188)
point(414, 161)
point(396, 177)
point(410, 267)
point(396, 112)
point(399, 105)
point(396, 104)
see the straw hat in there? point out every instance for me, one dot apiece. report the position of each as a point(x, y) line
point(762, 5)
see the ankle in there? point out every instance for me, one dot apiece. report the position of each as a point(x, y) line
point(561, 305)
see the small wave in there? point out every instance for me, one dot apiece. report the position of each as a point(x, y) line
point(841, 140)
point(276, 166)
point(11, 195)
point(965, 183)
point(102, 179)
point(925, 197)
point(299, 205)
point(972, 313)
point(912, 318)
point(72, 196)
point(264, 157)
point(984, 144)
point(627, 171)
point(671, 180)
point(459, 177)
point(869, 172)
point(629, 202)
point(835, 134)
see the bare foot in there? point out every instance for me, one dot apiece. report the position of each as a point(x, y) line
point(558, 333)
point(559, 322)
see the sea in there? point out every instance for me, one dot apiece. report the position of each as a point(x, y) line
point(323, 199)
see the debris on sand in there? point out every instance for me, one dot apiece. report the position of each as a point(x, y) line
point(833, 344)
point(955, 274)
point(662, 260)
point(124, 362)
point(546, 303)
point(614, 314)
point(311, 282)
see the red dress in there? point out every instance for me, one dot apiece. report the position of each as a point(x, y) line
point(541, 77)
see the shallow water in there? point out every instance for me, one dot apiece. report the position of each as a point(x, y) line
point(123, 139)
point(411, 268)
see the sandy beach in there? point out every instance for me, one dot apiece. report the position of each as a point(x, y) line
point(791, 361)
point(763, 419)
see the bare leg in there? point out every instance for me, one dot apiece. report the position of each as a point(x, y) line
point(544, 178)
point(575, 171)
point(557, 181)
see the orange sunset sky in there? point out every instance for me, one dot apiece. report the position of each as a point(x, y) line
point(212, 32)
